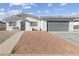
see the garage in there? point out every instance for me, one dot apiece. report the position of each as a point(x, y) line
point(2, 25)
point(58, 26)
point(76, 26)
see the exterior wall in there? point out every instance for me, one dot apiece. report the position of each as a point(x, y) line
point(11, 27)
point(43, 25)
point(71, 24)
point(29, 28)
point(40, 25)
point(76, 25)
point(8, 27)
point(18, 24)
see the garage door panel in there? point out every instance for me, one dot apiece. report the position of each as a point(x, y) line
point(58, 26)
point(76, 26)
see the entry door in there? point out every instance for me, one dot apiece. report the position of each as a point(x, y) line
point(22, 25)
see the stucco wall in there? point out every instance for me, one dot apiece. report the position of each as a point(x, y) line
point(40, 25)
point(11, 27)
point(44, 25)
point(7, 27)
point(29, 28)
point(76, 23)
point(71, 24)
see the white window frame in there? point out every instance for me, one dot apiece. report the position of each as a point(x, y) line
point(12, 23)
point(33, 24)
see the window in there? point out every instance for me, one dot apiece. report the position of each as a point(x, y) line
point(12, 23)
point(33, 23)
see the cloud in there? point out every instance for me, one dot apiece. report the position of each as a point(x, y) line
point(13, 12)
point(2, 13)
point(50, 4)
point(1, 9)
point(46, 11)
point(32, 4)
point(23, 5)
point(26, 7)
point(63, 4)
point(16, 4)
point(75, 14)
point(9, 13)
point(39, 11)
point(31, 13)
point(58, 9)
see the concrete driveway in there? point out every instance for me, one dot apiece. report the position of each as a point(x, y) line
point(73, 37)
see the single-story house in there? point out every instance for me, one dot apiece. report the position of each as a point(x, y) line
point(29, 22)
point(25, 22)
point(2, 25)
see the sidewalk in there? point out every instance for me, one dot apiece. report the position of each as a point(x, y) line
point(9, 44)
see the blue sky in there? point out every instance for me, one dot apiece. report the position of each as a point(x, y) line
point(39, 9)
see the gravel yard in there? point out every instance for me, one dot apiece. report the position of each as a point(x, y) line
point(44, 43)
point(5, 35)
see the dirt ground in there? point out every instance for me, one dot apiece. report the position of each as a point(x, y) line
point(4, 35)
point(44, 43)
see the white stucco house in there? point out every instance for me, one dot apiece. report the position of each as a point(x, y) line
point(25, 22)
point(29, 22)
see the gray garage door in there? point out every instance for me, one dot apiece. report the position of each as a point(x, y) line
point(76, 26)
point(58, 26)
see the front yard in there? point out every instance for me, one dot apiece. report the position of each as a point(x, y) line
point(4, 35)
point(37, 42)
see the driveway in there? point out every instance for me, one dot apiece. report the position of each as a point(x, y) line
point(37, 42)
point(72, 37)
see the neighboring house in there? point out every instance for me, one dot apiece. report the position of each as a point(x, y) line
point(29, 22)
point(2, 25)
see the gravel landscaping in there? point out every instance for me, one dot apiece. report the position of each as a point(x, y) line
point(4, 35)
point(37, 42)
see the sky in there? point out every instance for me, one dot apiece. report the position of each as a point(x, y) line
point(39, 9)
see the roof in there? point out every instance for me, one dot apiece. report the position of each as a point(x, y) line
point(21, 16)
point(59, 18)
point(2, 22)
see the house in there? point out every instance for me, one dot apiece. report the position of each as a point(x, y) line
point(2, 25)
point(29, 22)
point(24, 21)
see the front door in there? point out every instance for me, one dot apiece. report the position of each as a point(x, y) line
point(22, 25)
